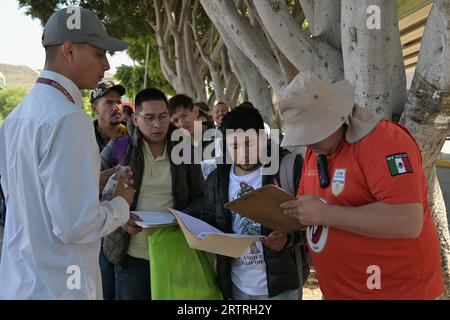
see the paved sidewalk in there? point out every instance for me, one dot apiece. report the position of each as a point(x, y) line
point(444, 179)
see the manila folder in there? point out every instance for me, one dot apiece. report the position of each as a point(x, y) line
point(202, 236)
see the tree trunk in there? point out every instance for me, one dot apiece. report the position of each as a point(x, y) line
point(239, 31)
point(324, 18)
point(427, 114)
point(193, 70)
point(260, 94)
point(373, 58)
point(304, 53)
point(251, 80)
point(254, 85)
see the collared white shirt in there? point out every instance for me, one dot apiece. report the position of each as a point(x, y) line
point(50, 166)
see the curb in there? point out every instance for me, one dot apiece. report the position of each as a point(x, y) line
point(443, 163)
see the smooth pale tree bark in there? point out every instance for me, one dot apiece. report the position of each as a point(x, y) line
point(257, 88)
point(373, 57)
point(254, 85)
point(209, 49)
point(302, 51)
point(249, 42)
point(324, 18)
point(427, 113)
point(180, 65)
point(232, 84)
point(195, 73)
point(287, 68)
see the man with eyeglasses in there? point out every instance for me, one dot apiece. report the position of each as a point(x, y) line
point(159, 182)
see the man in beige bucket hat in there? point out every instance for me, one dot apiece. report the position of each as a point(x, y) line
point(363, 195)
point(50, 169)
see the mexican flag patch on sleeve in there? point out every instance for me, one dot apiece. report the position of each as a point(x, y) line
point(399, 164)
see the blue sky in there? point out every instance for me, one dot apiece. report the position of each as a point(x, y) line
point(20, 39)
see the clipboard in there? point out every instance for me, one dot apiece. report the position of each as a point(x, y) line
point(263, 206)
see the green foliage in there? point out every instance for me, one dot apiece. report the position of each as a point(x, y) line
point(9, 99)
point(87, 103)
point(132, 78)
point(125, 19)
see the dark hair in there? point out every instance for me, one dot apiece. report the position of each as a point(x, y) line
point(51, 52)
point(151, 94)
point(127, 110)
point(246, 104)
point(242, 117)
point(180, 101)
point(202, 106)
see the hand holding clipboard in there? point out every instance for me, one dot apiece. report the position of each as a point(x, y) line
point(263, 206)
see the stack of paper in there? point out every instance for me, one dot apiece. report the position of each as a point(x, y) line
point(202, 236)
point(154, 219)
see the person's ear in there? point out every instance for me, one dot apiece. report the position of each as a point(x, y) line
point(134, 117)
point(67, 50)
point(196, 112)
point(94, 108)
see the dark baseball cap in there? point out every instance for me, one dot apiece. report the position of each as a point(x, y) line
point(79, 25)
point(104, 87)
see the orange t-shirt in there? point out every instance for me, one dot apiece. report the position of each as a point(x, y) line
point(385, 166)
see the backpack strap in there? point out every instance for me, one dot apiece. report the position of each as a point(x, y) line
point(119, 150)
point(290, 175)
point(287, 167)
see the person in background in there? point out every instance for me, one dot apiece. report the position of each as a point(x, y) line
point(127, 112)
point(106, 105)
point(203, 116)
point(203, 111)
point(184, 115)
point(220, 109)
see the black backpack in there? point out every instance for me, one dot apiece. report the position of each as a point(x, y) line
point(290, 175)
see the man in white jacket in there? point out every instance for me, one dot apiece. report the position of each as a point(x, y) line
point(50, 170)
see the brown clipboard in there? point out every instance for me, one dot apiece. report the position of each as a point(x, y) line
point(263, 206)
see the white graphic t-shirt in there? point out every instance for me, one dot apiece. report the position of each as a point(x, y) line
point(248, 273)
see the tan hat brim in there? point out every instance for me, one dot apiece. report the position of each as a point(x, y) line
point(110, 44)
point(326, 122)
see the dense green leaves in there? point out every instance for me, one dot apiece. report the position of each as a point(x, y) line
point(9, 99)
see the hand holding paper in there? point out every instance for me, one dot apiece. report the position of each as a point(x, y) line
point(276, 240)
point(202, 236)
